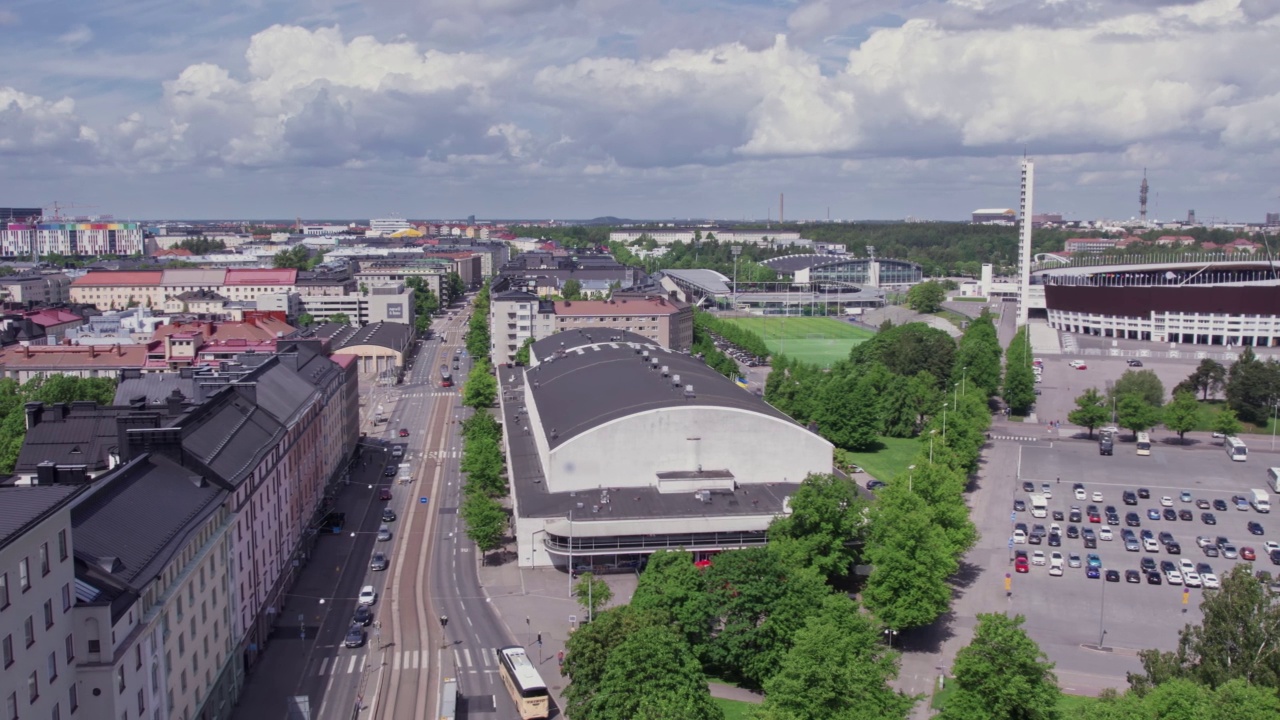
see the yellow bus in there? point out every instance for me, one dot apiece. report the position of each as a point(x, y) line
point(1144, 444)
point(524, 683)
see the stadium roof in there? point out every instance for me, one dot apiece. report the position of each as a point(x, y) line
point(709, 281)
point(584, 380)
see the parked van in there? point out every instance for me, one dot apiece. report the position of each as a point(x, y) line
point(1273, 478)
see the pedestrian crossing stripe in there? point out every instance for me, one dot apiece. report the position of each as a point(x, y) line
point(1020, 438)
point(441, 454)
point(486, 661)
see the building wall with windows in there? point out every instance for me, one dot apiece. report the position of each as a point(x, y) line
point(516, 316)
point(37, 595)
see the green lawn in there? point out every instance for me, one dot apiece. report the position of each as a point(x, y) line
point(735, 709)
point(1209, 410)
point(1067, 705)
point(954, 318)
point(968, 299)
point(889, 461)
point(818, 340)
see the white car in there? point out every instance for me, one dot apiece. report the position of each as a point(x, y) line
point(1270, 545)
point(1186, 565)
point(1076, 363)
point(1019, 537)
point(1205, 541)
point(1055, 529)
point(1191, 579)
point(1209, 580)
point(1104, 533)
point(1047, 490)
point(1080, 494)
point(1097, 496)
point(1173, 577)
point(1150, 545)
point(368, 595)
point(1166, 501)
point(1037, 557)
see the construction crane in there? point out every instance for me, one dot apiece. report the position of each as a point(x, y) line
point(57, 216)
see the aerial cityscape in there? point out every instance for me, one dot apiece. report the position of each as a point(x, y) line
point(776, 361)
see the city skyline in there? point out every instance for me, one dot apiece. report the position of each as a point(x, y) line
point(587, 108)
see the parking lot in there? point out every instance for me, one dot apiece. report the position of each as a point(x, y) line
point(1073, 615)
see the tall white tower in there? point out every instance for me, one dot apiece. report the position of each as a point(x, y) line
point(1024, 239)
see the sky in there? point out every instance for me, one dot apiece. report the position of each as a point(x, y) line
point(553, 109)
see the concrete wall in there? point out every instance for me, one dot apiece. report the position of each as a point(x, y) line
point(632, 450)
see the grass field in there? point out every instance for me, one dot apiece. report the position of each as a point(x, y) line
point(818, 340)
point(1066, 705)
point(889, 461)
point(735, 709)
point(1208, 412)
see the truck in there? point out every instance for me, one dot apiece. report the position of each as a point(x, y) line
point(405, 473)
point(1260, 501)
point(1039, 506)
point(1106, 441)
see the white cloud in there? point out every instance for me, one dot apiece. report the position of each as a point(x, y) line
point(76, 36)
point(32, 125)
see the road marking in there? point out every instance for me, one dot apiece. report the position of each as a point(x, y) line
point(467, 653)
point(413, 660)
point(324, 664)
point(395, 662)
point(351, 666)
point(486, 655)
point(1020, 438)
point(457, 659)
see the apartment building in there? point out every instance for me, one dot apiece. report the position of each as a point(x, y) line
point(516, 316)
point(120, 289)
point(71, 238)
point(37, 591)
point(36, 288)
point(153, 610)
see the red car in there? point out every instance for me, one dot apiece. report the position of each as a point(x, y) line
point(1082, 367)
point(404, 432)
point(1247, 553)
point(1021, 565)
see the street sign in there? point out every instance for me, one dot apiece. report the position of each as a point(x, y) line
point(422, 501)
point(1013, 516)
point(1010, 543)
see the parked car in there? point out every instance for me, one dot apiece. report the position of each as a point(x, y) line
point(1020, 564)
point(367, 596)
point(1135, 363)
point(1129, 497)
point(1208, 518)
point(1113, 576)
point(404, 432)
point(1185, 496)
point(1247, 553)
point(1144, 493)
point(1132, 576)
point(363, 616)
point(1255, 528)
point(388, 515)
point(1018, 505)
point(378, 561)
point(355, 637)
point(1220, 505)
point(1153, 514)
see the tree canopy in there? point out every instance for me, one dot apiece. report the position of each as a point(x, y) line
point(1143, 383)
point(1002, 675)
point(926, 297)
point(1182, 414)
point(1091, 410)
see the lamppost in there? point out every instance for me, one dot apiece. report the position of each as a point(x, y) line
point(1102, 608)
point(736, 250)
point(964, 378)
point(1273, 422)
point(931, 434)
point(911, 478)
point(944, 420)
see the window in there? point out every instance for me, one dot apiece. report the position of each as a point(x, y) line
point(66, 597)
point(53, 666)
point(74, 694)
point(4, 590)
point(62, 544)
point(8, 650)
point(48, 614)
point(24, 574)
point(29, 630)
point(142, 703)
point(137, 654)
point(11, 706)
point(71, 647)
point(44, 559)
point(33, 686)
point(120, 678)
point(57, 712)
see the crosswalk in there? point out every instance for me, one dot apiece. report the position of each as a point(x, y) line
point(437, 393)
point(1019, 438)
point(443, 454)
point(464, 661)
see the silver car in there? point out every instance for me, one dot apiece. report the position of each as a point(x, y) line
point(1229, 551)
point(384, 533)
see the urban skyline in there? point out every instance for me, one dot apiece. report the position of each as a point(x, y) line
point(587, 108)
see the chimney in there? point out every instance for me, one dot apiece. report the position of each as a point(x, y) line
point(35, 411)
point(60, 409)
point(173, 403)
point(46, 473)
point(138, 402)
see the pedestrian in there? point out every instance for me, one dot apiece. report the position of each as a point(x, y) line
point(1059, 481)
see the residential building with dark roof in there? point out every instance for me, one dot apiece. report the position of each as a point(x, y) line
point(544, 274)
point(36, 288)
point(618, 447)
point(37, 590)
point(379, 349)
point(516, 316)
point(154, 594)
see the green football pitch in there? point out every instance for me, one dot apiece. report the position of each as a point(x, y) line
point(818, 340)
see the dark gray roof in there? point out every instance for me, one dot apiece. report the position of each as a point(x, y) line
point(136, 517)
point(155, 387)
point(84, 435)
point(230, 432)
point(589, 380)
point(24, 507)
point(395, 336)
point(792, 263)
point(516, 296)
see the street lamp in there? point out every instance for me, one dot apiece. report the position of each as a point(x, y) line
point(1102, 608)
point(911, 478)
point(1273, 422)
point(964, 378)
point(944, 421)
point(931, 434)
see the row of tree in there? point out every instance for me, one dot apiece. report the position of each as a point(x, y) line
point(425, 304)
point(298, 257)
point(1136, 403)
point(482, 463)
point(733, 334)
point(52, 389)
point(1019, 385)
point(477, 340)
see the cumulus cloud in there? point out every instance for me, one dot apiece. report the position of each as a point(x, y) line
point(32, 125)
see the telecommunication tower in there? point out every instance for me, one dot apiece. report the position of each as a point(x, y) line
point(1142, 197)
point(1024, 238)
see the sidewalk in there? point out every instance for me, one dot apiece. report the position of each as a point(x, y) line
point(536, 600)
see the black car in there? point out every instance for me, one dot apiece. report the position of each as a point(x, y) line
point(1113, 518)
point(1255, 528)
point(1167, 566)
point(1170, 514)
point(1130, 497)
point(390, 471)
point(1208, 518)
point(1074, 516)
point(1147, 564)
point(388, 515)
point(1153, 578)
point(1028, 487)
point(1185, 515)
point(1275, 557)
point(1055, 540)
point(876, 484)
point(1166, 538)
point(1113, 576)
point(363, 616)
point(1132, 520)
point(355, 637)
point(1220, 505)
point(1034, 539)
point(1090, 542)
point(1144, 493)
point(1132, 576)
point(1173, 548)
point(1018, 505)
point(1110, 510)
point(1135, 363)
point(1058, 516)
point(1073, 532)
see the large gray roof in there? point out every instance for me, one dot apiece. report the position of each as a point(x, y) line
point(137, 516)
point(230, 432)
point(709, 280)
point(24, 507)
point(588, 380)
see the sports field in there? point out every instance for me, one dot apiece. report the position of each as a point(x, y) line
point(818, 340)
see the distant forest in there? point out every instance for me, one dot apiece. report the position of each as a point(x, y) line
point(943, 249)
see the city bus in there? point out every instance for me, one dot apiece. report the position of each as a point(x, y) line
point(524, 683)
point(449, 699)
point(1144, 444)
point(1235, 449)
point(446, 380)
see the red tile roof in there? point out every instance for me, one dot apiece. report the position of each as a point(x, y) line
point(53, 316)
point(287, 276)
point(69, 357)
point(118, 278)
point(257, 331)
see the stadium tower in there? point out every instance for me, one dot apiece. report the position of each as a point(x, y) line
point(1024, 239)
point(1142, 197)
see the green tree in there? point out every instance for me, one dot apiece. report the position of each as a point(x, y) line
point(1091, 411)
point(588, 648)
point(486, 522)
point(1182, 414)
point(522, 355)
point(340, 318)
point(837, 669)
point(942, 486)
point(826, 521)
point(911, 561)
point(1143, 383)
point(651, 675)
point(295, 258)
point(1002, 675)
point(592, 593)
point(846, 416)
point(481, 389)
point(1225, 422)
point(1253, 387)
point(673, 586)
point(1209, 377)
point(1135, 414)
point(978, 356)
point(572, 289)
point(926, 297)
point(306, 320)
point(1019, 379)
point(1235, 640)
point(453, 287)
point(1185, 700)
point(908, 350)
